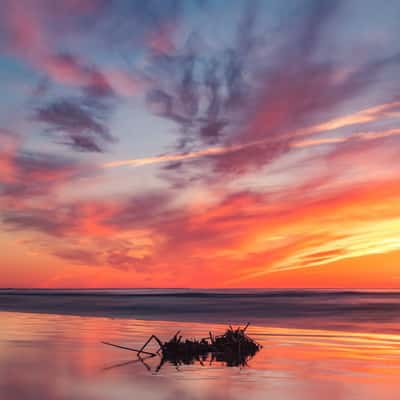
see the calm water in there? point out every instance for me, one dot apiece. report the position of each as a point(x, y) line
point(59, 357)
point(372, 311)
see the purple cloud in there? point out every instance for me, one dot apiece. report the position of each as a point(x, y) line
point(80, 124)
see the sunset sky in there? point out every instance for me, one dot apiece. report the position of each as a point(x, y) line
point(200, 143)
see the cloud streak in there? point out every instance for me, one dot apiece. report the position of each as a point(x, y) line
point(212, 151)
point(373, 114)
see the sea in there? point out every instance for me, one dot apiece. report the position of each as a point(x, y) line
point(316, 344)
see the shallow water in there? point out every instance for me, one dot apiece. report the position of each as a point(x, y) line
point(45, 357)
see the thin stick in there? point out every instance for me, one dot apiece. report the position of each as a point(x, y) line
point(211, 337)
point(130, 349)
point(244, 329)
point(175, 336)
point(148, 341)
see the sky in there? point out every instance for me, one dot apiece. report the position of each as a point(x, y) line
point(200, 143)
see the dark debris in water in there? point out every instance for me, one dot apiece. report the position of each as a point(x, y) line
point(234, 348)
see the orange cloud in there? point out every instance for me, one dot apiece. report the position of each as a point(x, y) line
point(242, 240)
point(233, 238)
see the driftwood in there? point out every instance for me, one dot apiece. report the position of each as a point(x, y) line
point(130, 349)
point(234, 348)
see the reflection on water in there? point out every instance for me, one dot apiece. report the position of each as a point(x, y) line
point(61, 358)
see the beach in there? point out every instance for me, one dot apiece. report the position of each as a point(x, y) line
point(60, 356)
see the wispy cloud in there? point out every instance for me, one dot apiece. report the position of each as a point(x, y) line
point(368, 115)
point(256, 98)
point(78, 123)
point(371, 114)
point(372, 135)
point(212, 151)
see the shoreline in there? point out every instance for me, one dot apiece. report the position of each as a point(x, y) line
point(373, 314)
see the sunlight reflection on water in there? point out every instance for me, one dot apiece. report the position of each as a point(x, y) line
point(60, 357)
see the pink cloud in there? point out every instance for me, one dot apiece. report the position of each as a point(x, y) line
point(26, 36)
point(161, 41)
point(27, 176)
point(65, 69)
point(29, 39)
point(124, 83)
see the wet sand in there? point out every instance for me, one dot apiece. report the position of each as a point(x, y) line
point(59, 357)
